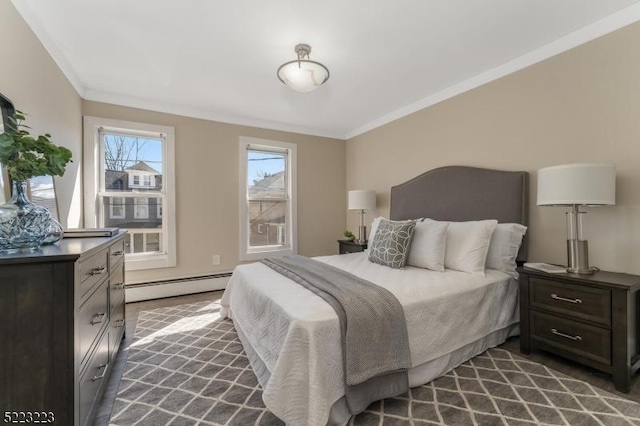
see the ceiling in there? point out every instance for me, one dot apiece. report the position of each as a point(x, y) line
point(218, 59)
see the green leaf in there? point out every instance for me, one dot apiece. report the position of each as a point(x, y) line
point(26, 156)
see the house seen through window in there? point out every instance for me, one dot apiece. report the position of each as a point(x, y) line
point(133, 193)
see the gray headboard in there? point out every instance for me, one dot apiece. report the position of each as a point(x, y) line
point(460, 193)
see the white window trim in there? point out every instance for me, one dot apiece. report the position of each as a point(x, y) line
point(247, 253)
point(91, 158)
point(122, 205)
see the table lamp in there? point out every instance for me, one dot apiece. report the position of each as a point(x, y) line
point(362, 200)
point(575, 185)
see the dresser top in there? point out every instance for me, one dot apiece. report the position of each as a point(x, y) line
point(64, 250)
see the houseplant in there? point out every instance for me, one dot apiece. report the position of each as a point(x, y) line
point(23, 225)
point(348, 235)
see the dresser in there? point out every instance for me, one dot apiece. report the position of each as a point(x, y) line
point(61, 323)
point(347, 246)
point(590, 319)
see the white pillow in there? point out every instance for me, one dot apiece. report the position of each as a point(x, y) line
point(428, 245)
point(374, 227)
point(468, 244)
point(505, 243)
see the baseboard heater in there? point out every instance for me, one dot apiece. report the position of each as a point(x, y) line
point(176, 287)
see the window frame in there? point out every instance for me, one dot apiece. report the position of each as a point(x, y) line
point(291, 221)
point(93, 183)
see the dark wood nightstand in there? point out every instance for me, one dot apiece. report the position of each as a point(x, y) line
point(347, 246)
point(590, 319)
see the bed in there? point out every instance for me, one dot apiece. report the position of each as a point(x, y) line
point(292, 336)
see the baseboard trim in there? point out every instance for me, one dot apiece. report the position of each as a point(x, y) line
point(176, 287)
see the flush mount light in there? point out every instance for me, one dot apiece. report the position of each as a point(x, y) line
point(303, 74)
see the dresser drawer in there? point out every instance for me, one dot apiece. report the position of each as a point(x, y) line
point(116, 300)
point(92, 270)
point(93, 317)
point(116, 285)
point(93, 377)
point(116, 252)
point(580, 302)
point(572, 336)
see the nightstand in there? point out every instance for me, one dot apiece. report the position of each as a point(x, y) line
point(347, 246)
point(590, 319)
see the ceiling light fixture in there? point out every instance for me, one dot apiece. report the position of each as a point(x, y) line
point(303, 75)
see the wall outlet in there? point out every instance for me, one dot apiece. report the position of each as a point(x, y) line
point(216, 259)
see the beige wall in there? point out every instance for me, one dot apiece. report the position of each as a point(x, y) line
point(580, 106)
point(207, 189)
point(33, 82)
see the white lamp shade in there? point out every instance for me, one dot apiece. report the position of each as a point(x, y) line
point(362, 200)
point(303, 75)
point(579, 183)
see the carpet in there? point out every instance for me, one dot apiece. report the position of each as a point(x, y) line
point(186, 366)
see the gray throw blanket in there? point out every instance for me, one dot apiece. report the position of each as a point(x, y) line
point(375, 343)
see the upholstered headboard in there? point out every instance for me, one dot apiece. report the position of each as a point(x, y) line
point(460, 193)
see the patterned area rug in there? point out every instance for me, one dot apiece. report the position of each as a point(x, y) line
point(186, 366)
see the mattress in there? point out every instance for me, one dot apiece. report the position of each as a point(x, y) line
point(294, 337)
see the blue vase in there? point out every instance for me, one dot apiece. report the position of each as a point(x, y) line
point(23, 225)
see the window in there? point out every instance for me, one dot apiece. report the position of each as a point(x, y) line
point(268, 198)
point(129, 170)
point(116, 208)
point(141, 208)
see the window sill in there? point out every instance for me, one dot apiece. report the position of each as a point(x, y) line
point(139, 263)
point(264, 254)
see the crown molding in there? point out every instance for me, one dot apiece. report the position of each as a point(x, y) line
point(584, 35)
point(581, 36)
point(202, 113)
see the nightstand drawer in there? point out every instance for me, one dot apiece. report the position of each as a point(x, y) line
point(578, 338)
point(581, 302)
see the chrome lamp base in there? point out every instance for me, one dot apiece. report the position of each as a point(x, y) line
point(362, 234)
point(578, 257)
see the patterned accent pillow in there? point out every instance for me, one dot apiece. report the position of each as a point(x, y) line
point(391, 243)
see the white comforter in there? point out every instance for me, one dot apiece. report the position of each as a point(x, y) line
point(297, 337)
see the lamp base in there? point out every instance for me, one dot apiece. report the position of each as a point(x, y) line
point(362, 234)
point(578, 257)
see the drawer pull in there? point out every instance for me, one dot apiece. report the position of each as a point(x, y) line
point(104, 372)
point(99, 271)
point(118, 286)
point(564, 299)
point(98, 318)
point(119, 323)
point(557, 333)
point(117, 253)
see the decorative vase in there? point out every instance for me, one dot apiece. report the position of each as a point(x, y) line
point(23, 225)
point(54, 234)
